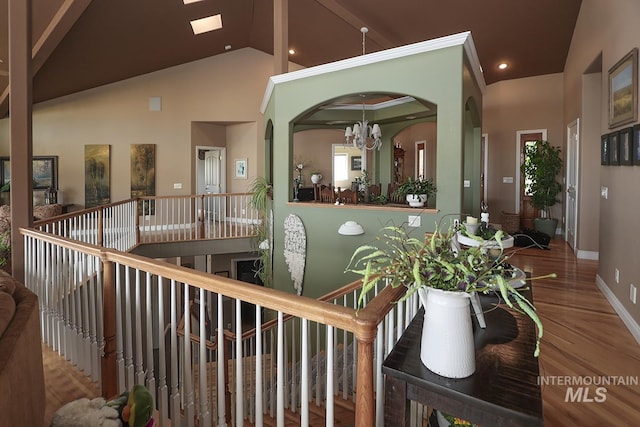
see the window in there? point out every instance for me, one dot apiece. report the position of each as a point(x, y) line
point(341, 166)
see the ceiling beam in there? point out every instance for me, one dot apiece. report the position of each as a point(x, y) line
point(357, 23)
point(61, 23)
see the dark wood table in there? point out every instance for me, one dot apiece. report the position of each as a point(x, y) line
point(503, 391)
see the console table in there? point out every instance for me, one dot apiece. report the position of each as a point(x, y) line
point(504, 389)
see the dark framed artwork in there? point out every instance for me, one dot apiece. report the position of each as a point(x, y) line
point(614, 148)
point(626, 146)
point(45, 172)
point(623, 90)
point(356, 163)
point(97, 182)
point(636, 145)
point(604, 149)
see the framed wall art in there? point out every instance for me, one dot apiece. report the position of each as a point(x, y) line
point(614, 148)
point(623, 90)
point(45, 172)
point(356, 163)
point(636, 145)
point(240, 168)
point(97, 166)
point(604, 149)
point(626, 146)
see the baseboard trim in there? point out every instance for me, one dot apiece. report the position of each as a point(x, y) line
point(626, 318)
point(592, 255)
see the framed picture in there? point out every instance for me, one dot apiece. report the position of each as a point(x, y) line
point(636, 145)
point(356, 163)
point(604, 149)
point(626, 146)
point(623, 90)
point(240, 168)
point(45, 172)
point(614, 148)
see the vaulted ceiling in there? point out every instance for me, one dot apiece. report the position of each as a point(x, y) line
point(81, 44)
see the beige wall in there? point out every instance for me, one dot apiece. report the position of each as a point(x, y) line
point(511, 106)
point(222, 93)
point(612, 32)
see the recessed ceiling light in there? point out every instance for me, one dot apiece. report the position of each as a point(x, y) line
point(209, 23)
point(503, 66)
point(190, 1)
point(292, 52)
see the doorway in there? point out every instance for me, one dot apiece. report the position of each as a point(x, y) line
point(571, 214)
point(210, 178)
point(523, 199)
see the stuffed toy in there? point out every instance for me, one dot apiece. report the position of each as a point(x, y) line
point(130, 409)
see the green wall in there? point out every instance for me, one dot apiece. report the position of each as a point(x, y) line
point(436, 76)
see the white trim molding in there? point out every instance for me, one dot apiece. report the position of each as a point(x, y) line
point(463, 39)
point(626, 318)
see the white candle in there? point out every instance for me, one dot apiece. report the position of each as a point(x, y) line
point(472, 220)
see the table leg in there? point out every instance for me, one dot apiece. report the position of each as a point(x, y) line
point(396, 405)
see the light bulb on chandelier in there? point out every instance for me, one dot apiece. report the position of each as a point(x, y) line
point(364, 136)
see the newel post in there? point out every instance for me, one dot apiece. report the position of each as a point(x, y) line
point(365, 397)
point(108, 363)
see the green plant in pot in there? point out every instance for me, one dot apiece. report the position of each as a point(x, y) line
point(261, 193)
point(541, 167)
point(448, 278)
point(417, 191)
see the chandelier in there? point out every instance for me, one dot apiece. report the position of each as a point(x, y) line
point(363, 135)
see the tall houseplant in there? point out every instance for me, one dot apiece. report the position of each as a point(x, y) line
point(261, 192)
point(439, 269)
point(542, 164)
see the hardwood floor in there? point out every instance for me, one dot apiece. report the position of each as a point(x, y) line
point(584, 340)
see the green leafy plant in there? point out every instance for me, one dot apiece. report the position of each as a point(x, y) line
point(542, 164)
point(437, 261)
point(261, 192)
point(5, 248)
point(416, 186)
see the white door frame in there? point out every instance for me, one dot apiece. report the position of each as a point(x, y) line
point(519, 161)
point(416, 161)
point(485, 166)
point(199, 170)
point(573, 155)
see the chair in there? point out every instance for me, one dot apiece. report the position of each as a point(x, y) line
point(348, 196)
point(393, 196)
point(375, 190)
point(325, 194)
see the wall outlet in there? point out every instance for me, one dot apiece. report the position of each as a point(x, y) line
point(507, 180)
point(632, 293)
point(467, 183)
point(177, 186)
point(414, 221)
point(617, 276)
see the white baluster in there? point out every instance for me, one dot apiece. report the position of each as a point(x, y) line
point(304, 374)
point(330, 378)
point(151, 380)
point(220, 364)
point(175, 392)
point(189, 410)
point(280, 374)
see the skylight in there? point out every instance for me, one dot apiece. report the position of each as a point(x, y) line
point(208, 23)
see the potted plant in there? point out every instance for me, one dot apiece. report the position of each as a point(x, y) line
point(261, 193)
point(316, 176)
point(446, 277)
point(417, 191)
point(542, 164)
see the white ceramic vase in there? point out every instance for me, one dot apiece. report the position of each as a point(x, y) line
point(447, 346)
point(416, 200)
point(316, 178)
